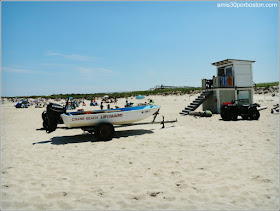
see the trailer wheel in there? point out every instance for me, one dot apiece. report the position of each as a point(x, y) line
point(255, 115)
point(104, 132)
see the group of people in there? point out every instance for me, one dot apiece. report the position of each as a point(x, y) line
point(129, 104)
point(25, 103)
point(72, 104)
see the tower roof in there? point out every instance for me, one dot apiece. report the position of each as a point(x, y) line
point(228, 61)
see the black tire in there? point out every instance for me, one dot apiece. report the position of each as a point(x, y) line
point(226, 115)
point(234, 116)
point(222, 115)
point(104, 132)
point(254, 114)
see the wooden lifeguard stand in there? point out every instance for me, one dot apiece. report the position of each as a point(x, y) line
point(233, 82)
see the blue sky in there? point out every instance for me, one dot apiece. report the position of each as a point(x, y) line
point(91, 47)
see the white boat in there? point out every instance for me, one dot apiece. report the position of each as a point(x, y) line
point(99, 122)
point(113, 116)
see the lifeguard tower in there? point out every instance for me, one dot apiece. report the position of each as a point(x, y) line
point(233, 82)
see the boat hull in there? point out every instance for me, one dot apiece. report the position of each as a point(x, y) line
point(113, 116)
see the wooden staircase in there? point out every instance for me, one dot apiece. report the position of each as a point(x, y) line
point(197, 102)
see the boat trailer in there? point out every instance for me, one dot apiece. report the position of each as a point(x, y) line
point(104, 131)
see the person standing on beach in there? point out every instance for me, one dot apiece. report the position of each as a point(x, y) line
point(101, 106)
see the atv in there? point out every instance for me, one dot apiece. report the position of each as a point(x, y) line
point(231, 111)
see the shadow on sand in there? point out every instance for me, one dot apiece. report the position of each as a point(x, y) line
point(81, 138)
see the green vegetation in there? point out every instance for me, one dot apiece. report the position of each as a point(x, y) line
point(267, 85)
point(119, 94)
point(135, 93)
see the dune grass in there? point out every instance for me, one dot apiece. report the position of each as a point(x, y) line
point(133, 93)
point(267, 84)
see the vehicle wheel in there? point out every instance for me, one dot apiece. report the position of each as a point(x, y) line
point(226, 115)
point(255, 114)
point(22, 106)
point(104, 132)
point(234, 116)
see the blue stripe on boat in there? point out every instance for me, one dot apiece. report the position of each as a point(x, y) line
point(121, 109)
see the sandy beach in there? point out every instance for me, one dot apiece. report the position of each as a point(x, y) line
point(193, 164)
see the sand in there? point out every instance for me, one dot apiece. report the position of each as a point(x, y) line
point(193, 164)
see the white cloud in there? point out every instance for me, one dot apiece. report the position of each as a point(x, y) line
point(85, 70)
point(18, 70)
point(72, 56)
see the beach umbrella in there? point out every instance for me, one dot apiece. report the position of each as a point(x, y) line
point(106, 96)
point(139, 97)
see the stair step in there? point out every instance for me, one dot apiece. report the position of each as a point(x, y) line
point(186, 110)
point(184, 113)
point(190, 109)
point(194, 103)
point(200, 97)
point(205, 94)
point(197, 102)
point(193, 106)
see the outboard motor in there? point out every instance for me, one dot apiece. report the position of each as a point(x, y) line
point(51, 117)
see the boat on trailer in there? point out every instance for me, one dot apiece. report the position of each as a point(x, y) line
point(114, 116)
point(99, 122)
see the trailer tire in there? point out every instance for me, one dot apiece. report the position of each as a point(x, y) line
point(104, 132)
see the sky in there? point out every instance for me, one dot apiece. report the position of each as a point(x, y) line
point(94, 47)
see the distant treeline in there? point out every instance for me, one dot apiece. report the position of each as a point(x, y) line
point(116, 94)
point(132, 94)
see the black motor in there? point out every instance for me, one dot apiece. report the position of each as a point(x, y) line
point(51, 117)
